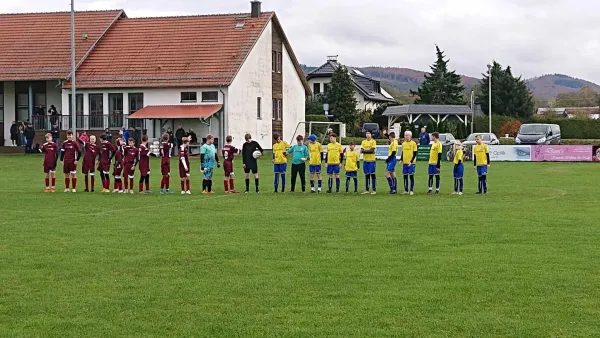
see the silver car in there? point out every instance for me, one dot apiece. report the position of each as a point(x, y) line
point(486, 138)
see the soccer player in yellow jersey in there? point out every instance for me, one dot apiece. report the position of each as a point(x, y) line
point(459, 169)
point(334, 162)
point(390, 163)
point(367, 148)
point(481, 160)
point(408, 158)
point(315, 152)
point(280, 161)
point(352, 166)
point(435, 157)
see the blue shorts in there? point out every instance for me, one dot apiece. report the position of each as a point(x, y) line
point(368, 168)
point(459, 170)
point(333, 169)
point(391, 166)
point(481, 170)
point(314, 168)
point(408, 169)
point(433, 169)
point(280, 168)
point(208, 173)
point(351, 174)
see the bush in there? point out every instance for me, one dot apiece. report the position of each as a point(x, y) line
point(510, 127)
point(571, 128)
point(507, 141)
point(593, 142)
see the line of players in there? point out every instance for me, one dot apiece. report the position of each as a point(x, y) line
point(128, 156)
point(336, 157)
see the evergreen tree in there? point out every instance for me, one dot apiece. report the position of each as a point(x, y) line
point(342, 104)
point(441, 86)
point(510, 95)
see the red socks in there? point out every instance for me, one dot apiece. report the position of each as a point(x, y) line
point(131, 183)
point(188, 183)
point(182, 185)
point(74, 181)
point(47, 180)
point(226, 185)
point(86, 183)
point(231, 183)
point(141, 187)
point(53, 182)
point(93, 185)
point(67, 181)
point(147, 185)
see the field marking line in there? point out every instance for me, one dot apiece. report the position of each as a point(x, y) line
point(560, 192)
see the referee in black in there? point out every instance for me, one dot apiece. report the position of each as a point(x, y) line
point(250, 163)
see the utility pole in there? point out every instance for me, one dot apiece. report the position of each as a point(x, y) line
point(73, 65)
point(472, 109)
point(490, 98)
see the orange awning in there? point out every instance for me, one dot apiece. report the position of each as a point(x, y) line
point(176, 112)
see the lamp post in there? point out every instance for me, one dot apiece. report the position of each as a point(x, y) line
point(73, 89)
point(490, 98)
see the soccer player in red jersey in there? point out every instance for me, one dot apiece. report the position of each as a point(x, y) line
point(118, 167)
point(184, 166)
point(144, 165)
point(131, 153)
point(165, 164)
point(229, 152)
point(89, 161)
point(107, 151)
point(50, 150)
point(69, 157)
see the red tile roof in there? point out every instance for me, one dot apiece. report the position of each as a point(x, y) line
point(176, 112)
point(171, 51)
point(37, 46)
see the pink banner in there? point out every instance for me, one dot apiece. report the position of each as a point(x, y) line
point(560, 153)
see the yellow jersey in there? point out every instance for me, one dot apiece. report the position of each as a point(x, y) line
point(408, 149)
point(459, 157)
point(393, 147)
point(315, 151)
point(368, 145)
point(334, 153)
point(435, 152)
point(480, 152)
point(279, 152)
point(352, 158)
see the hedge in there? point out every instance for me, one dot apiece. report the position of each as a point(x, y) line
point(570, 128)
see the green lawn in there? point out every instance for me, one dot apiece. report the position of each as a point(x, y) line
point(523, 261)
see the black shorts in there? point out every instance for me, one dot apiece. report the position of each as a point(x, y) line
point(251, 168)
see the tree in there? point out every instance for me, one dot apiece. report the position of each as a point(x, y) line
point(314, 105)
point(584, 97)
point(342, 104)
point(510, 95)
point(440, 86)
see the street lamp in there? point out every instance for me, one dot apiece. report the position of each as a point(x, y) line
point(490, 98)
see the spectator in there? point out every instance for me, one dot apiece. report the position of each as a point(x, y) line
point(83, 137)
point(22, 136)
point(29, 134)
point(55, 133)
point(179, 135)
point(170, 133)
point(424, 137)
point(125, 135)
point(53, 112)
point(136, 135)
point(193, 137)
point(108, 135)
point(14, 133)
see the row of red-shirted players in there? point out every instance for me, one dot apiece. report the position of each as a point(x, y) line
point(126, 158)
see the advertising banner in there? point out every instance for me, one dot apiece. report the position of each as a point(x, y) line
point(596, 154)
point(423, 153)
point(561, 153)
point(509, 153)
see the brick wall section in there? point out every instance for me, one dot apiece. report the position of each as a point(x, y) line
point(277, 125)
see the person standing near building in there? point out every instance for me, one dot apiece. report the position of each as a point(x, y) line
point(208, 158)
point(29, 134)
point(53, 112)
point(424, 137)
point(179, 135)
point(14, 133)
point(300, 154)
point(250, 163)
point(107, 135)
point(55, 133)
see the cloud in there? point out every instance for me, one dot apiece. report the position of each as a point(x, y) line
point(533, 36)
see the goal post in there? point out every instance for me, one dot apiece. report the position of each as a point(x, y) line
point(301, 129)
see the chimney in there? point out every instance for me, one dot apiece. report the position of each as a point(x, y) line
point(255, 6)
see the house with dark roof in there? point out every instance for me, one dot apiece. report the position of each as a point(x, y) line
point(368, 92)
point(570, 112)
point(225, 74)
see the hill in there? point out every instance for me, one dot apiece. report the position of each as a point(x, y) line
point(545, 87)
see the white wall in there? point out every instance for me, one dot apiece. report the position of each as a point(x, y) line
point(360, 99)
point(9, 109)
point(320, 80)
point(253, 80)
point(294, 97)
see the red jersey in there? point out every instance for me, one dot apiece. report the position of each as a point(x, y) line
point(70, 151)
point(184, 156)
point(229, 152)
point(91, 152)
point(50, 150)
point(165, 152)
point(106, 151)
point(130, 154)
point(144, 159)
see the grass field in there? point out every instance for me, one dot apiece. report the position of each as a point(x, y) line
point(523, 261)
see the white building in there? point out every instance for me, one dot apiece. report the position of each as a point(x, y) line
point(368, 92)
point(228, 74)
point(591, 112)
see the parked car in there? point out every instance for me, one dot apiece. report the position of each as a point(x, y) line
point(446, 139)
point(537, 133)
point(487, 138)
point(373, 128)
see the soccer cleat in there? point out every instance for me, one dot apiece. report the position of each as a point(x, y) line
point(183, 192)
point(67, 190)
point(478, 193)
point(168, 191)
point(73, 190)
point(454, 193)
point(148, 192)
point(246, 192)
point(47, 190)
point(460, 193)
point(211, 192)
point(86, 190)
point(312, 190)
point(116, 190)
point(162, 192)
point(121, 191)
point(131, 192)
point(329, 191)
point(437, 192)
point(204, 192)
point(405, 192)
point(188, 192)
point(366, 193)
point(92, 190)
point(374, 193)
point(411, 193)
point(234, 192)
point(126, 191)
point(53, 190)
point(429, 192)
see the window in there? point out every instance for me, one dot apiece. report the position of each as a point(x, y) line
point(280, 110)
point(22, 106)
point(326, 88)
point(96, 117)
point(317, 88)
point(274, 112)
point(274, 61)
point(189, 97)
point(279, 61)
point(78, 109)
point(115, 110)
point(210, 96)
point(136, 102)
point(258, 114)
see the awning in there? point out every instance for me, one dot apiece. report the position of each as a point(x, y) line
point(176, 112)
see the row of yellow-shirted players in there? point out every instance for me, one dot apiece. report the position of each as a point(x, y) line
point(335, 156)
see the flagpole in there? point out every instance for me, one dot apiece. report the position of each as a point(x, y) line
point(73, 88)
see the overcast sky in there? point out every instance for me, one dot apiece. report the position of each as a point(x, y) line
point(535, 37)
